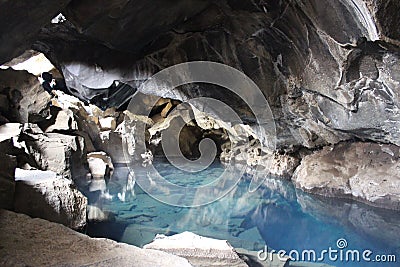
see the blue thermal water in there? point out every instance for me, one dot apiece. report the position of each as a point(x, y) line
point(276, 215)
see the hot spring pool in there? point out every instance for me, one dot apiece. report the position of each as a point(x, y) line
point(276, 215)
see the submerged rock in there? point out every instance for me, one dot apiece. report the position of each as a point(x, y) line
point(36, 242)
point(363, 171)
point(46, 195)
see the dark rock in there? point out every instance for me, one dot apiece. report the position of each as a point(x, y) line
point(25, 95)
point(7, 181)
point(19, 26)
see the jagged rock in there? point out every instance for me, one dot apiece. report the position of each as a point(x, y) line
point(10, 130)
point(63, 121)
point(7, 181)
point(166, 109)
point(46, 195)
point(323, 73)
point(25, 95)
point(100, 165)
point(363, 171)
point(281, 165)
point(199, 250)
point(11, 144)
point(21, 29)
point(111, 143)
point(36, 242)
point(63, 154)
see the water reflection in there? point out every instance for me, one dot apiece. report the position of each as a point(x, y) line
point(276, 214)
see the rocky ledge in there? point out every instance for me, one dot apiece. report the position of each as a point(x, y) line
point(368, 172)
point(31, 242)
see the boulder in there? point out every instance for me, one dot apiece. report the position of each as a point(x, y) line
point(37, 242)
point(100, 165)
point(199, 250)
point(26, 96)
point(63, 154)
point(44, 194)
point(7, 181)
point(364, 171)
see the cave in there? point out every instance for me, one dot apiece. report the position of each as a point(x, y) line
point(200, 133)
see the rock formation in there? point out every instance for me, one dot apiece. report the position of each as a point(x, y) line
point(46, 195)
point(37, 242)
point(363, 171)
point(329, 70)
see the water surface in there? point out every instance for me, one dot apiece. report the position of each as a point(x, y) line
point(276, 215)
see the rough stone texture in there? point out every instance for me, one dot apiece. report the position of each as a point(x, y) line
point(324, 66)
point(46, 195)
point(7, 181)
point(363, 171)
point(199, 250)
point(20, 27)
point(25, 95)
point(63, 154)
point(32, 242)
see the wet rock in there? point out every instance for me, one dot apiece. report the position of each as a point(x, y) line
point(364, 171)
point(7, 181)
point(199, 250)
point(27, 241)
point(46, 195)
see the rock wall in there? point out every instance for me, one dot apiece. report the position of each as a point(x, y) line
point(328, 68)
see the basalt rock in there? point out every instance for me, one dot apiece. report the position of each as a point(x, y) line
point(328, 76)
point(362, 171)
point(22, 95)
point(37, 242)
point(7, 181)
point(46, 195)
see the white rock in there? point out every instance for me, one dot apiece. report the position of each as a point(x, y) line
point(198, 249)
point(46, 195)
point(107, 123)
point(9, 130)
